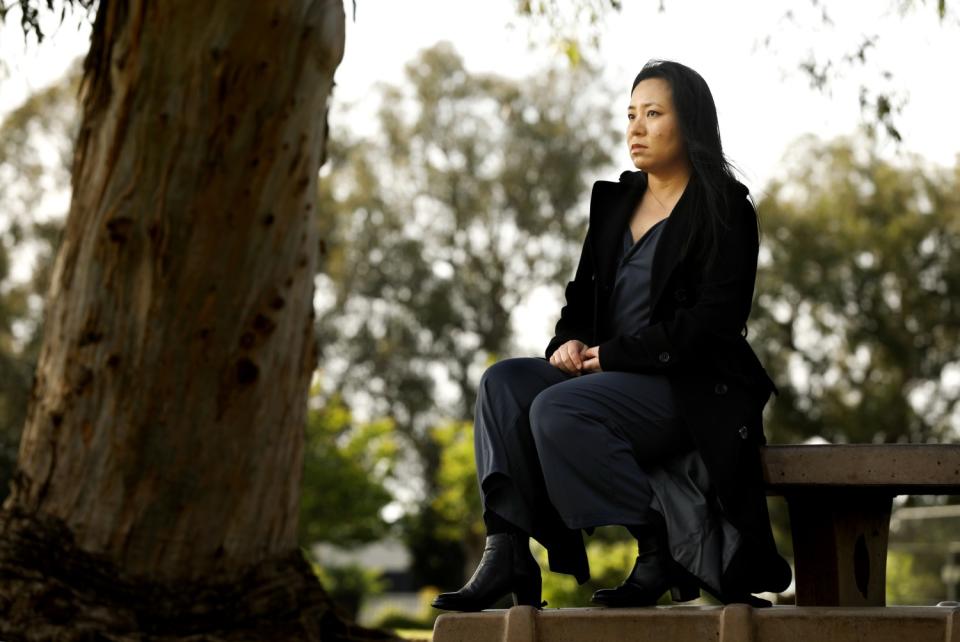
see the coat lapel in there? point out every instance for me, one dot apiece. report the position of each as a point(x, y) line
point(668, 254)
point(611, 207)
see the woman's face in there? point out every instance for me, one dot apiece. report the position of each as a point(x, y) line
point(653, 130)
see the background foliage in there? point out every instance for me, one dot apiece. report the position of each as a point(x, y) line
point(857, 305)
point(36, 145)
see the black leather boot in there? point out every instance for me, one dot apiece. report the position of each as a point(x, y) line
point(653, 573)
point(507, 566)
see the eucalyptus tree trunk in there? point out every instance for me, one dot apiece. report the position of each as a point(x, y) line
point(158, 477)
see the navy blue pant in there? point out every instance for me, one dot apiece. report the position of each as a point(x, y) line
point(549, 444)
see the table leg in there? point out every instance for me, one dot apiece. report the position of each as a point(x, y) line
point(840, 546)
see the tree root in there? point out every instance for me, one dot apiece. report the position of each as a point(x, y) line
point(51, 590)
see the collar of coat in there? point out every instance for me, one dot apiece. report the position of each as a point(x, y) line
point(612, 205)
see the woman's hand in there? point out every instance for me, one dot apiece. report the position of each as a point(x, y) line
point(591, 359)
point(568, 356)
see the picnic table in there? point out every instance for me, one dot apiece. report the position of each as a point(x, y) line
point(839, 497)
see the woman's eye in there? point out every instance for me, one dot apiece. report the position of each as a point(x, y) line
point(652, 113)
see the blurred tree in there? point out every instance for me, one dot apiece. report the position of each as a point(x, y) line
point(574, 29)
point(456, 503)
point(859, 289)
point(458, 498)
point(468, 196)
point(923, 547)
point(349, 584)
point(914, 578)
point(881, 97)
point(29, 11)
point(36, 142)
point(344, 469)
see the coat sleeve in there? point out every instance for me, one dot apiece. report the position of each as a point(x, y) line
point(576, 316)
point(722, 303)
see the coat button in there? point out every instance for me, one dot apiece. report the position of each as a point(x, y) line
point(720, 388)
point(680, 294)
point(743, 432)
point(664, 356)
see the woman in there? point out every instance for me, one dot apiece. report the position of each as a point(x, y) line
point(646, 410)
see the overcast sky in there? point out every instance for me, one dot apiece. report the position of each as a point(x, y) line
point(764, 102)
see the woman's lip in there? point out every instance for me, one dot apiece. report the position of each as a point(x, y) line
point(638, 146)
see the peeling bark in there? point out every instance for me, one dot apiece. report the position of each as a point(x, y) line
point(165, 426)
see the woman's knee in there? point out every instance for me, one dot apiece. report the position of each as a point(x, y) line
point(549, 413)
point(505, 372)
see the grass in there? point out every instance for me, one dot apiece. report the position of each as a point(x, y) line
point(415, 634)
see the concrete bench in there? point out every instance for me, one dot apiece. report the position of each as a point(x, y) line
point(839, 498)
point(731, 623)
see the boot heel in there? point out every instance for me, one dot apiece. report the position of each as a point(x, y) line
point(527, 583)
point(685, 586)
point(684, 593)
point(528, 593)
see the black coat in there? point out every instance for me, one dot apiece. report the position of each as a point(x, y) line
point(697, 337)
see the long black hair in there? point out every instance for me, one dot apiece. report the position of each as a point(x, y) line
point(697, 116)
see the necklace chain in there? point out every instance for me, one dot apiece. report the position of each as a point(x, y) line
point(657, 199)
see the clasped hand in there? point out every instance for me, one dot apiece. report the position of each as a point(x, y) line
point(574, 357)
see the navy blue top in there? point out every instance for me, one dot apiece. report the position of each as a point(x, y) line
point(630, 300)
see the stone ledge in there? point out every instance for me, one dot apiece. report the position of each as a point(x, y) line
point(731, 623)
